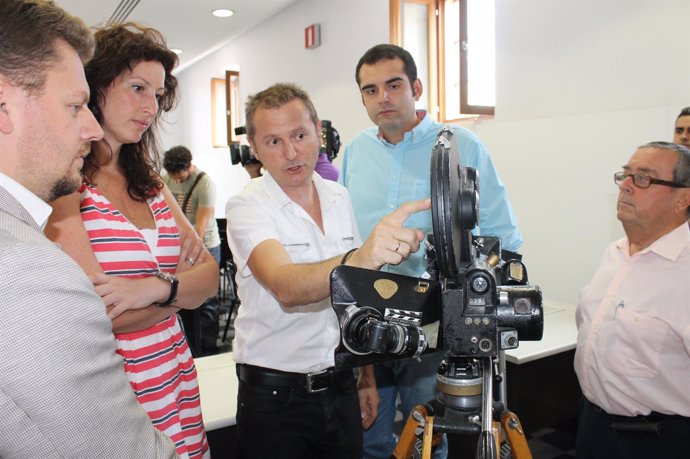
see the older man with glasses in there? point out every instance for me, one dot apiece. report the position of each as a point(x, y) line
point(633, 319)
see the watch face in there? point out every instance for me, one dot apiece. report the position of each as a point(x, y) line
point(166, 276)
point(173, 288)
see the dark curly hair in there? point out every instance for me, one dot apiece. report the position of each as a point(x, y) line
point(177, 159)
point(118, 49)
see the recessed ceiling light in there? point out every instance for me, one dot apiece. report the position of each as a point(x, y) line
point(223, 13)
point(176, 50)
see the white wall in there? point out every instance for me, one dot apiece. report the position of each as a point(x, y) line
point(272, 52)
point(565, 57)
point(580, 84)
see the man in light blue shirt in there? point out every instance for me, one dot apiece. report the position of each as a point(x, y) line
point(387, 165)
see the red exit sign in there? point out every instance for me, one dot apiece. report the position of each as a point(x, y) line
point(312, 36)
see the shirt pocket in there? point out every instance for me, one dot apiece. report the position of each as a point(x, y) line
point(345, 242)
point(420, 190)
point(635, 343)
point(298, 250)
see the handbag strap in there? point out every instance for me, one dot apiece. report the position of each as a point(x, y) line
point(189, 193)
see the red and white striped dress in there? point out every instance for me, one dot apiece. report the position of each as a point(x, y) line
point(157, 360)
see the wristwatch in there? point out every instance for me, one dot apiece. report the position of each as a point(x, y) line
point(172, 298)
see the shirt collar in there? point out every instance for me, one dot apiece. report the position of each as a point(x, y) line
point(35, 206)
point(669, 246)
point(417, 132)
point(276, 193)
point(328, 194)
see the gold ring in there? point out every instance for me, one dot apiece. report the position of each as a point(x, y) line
point(190, 260)
point(398, 247)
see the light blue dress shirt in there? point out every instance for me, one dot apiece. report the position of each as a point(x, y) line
point(381, 176)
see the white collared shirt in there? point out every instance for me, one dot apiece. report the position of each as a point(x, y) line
point(633, 319)
point(303, 338)
point(35, 206)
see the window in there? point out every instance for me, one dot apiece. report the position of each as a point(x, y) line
point(218, 126)
point(453, 42)
point(477, 55)
point(225, 109)
point(232, 102)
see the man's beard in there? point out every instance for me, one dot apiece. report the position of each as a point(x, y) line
point(63, 187)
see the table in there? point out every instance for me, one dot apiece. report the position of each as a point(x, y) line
point(560, 334)
point(218, 390)
point(541, 383)
point(542, 387)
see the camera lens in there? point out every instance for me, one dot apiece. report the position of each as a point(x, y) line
point(365, 332)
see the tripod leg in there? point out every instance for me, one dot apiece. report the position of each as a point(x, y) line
point(498, 436)
point(428, 434)
point(408, 437)
point(419, 421)
point(515, 435)
point(486, 444)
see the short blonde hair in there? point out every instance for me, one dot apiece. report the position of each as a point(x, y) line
point(275, 97)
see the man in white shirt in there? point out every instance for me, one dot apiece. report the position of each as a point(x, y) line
point(633, 319)
point(287, 230)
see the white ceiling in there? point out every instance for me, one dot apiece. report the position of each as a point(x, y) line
point(187, 24)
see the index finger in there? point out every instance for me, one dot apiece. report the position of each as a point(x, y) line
point(399, 215)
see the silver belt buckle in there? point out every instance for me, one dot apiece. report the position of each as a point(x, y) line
point(310, 382)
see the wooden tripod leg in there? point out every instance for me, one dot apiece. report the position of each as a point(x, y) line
point(498, 435)
point(428, 434)
point(408, 437)
point(417, 423)
point(515, 435)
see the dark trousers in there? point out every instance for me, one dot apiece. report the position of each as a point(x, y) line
point(289, 422)
point(604, 436)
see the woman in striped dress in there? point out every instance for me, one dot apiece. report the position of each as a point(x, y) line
point(127, 231)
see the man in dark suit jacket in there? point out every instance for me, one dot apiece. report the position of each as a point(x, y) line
point(63, 392)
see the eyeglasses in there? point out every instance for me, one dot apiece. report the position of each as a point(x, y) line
point(644, 181)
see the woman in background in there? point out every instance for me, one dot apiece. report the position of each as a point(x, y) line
point(127, 232)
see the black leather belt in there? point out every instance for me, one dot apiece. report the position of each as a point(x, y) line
point(645, 424)
point(311, 382)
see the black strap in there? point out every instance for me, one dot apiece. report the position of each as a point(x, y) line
point(189, 193)
point(637, 427)
point(312, 382)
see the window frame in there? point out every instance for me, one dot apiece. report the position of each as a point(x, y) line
point(218, 96)
point(232, 104)
point(435, 87)
point(466, 108)
point(431, 87)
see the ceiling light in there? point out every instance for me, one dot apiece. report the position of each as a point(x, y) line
point(176, 50)
point(223, 13)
